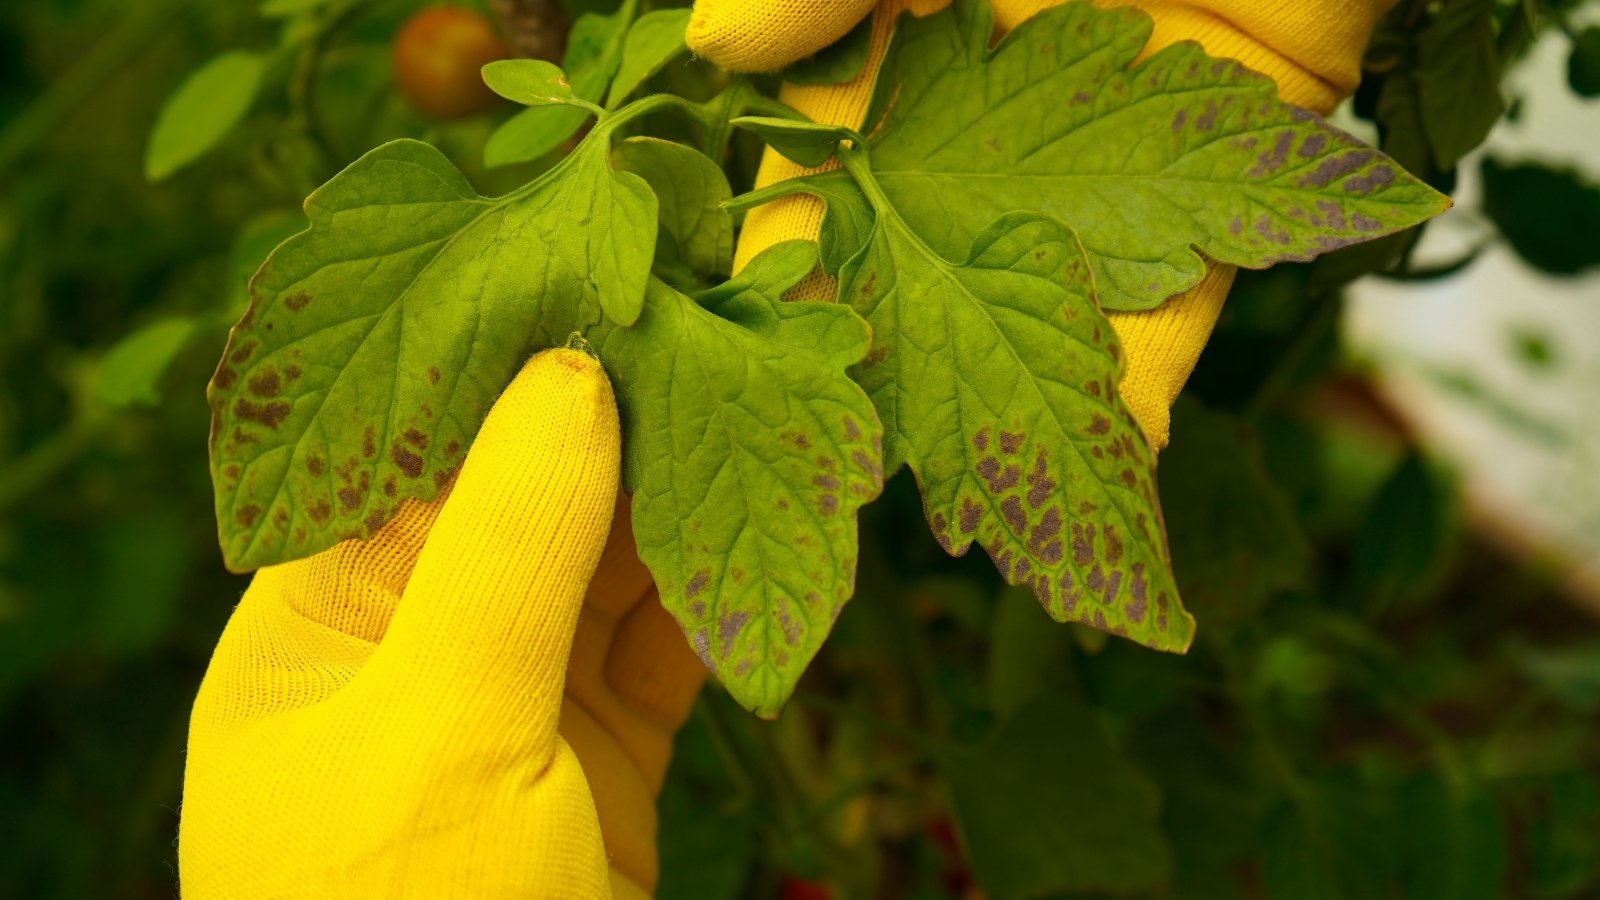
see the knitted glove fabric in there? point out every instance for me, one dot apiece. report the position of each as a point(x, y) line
point(461, 706)
point(1312, 49)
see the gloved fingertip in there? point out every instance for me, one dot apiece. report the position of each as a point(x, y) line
point(766, 35)
point(486, 622)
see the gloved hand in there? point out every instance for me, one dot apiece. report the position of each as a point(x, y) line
point(1311, 48)
point(399, 718)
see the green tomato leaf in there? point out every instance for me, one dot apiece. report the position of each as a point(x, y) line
point(533, 82)
point(1549, 215)
point(653, 41)
point(836, 63)
point(1583, 65)
point(594, 49)
point(691, 190)
point(207, 106)
point(807, 143)
point(131, 371)
point(376, 340)
point(996, 381)
point(961, 134)
point(1050, 805)
point(1458, 79)
point(749, 452)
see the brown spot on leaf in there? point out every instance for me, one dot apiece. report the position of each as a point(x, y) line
point(291, 373)
point(696, 584)
point(1334, 167)
point(1137, 590)
point(702, 648)
point(826, 482)
point(980, 441)
point(827, 504)
point(443, 477)
point(369, 442)
point(240, 438)
point(314, 465)
point(1011, 509)
point(1009, 442)
point(408, 462)
point(1049, 526)
point(246, 515)
point(851, 430)
point(1272, 160)
point(1040, 483)
point(320, 511)
point(265, 383)
point(1373, 180)
point(451, 449)
point(375, 519)
point(225, 377)
point(728, 628)
point(1099, 425)
point(878, 355)
point(297, 301)
point(1113, 544)
point(349, 499)
point(1082, 545)
point(433, 374)
point(969, 515)
point(243, 354)
point(1113, 583)
point(390, 487)
point(1008, 479)
point(270, 415)
point(416, 438)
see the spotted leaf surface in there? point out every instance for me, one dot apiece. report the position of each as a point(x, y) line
point(996, 381)
point(748, 453)
point(376, 340)
point(1147, 163)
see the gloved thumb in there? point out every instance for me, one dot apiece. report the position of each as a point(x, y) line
point(481, 637)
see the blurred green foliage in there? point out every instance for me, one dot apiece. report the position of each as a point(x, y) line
point(1380, 703)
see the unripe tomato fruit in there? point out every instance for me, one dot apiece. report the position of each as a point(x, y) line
point(437, 57)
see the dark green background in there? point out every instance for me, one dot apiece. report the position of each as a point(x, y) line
point(1381, 703)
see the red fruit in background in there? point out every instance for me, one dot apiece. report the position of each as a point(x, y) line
point(437, 58)
point(794, 888)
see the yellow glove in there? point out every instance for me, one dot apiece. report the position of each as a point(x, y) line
point(399, 718)
point(1311, 48)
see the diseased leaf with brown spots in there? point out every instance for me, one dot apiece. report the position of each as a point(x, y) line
point(996, 381)
point(376, 340)
point(1147, 162)
point(748, 453)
